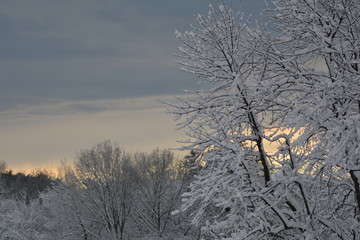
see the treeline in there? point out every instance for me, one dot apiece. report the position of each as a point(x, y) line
point(106, 194)
point(24, 187)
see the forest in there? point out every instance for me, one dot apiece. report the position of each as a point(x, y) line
point(274, 134)
point(106, 194)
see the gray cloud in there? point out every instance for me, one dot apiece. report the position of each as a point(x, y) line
point(93, 49)
point(66, 110)
point(91, 108)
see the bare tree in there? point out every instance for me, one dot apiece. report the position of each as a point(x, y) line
point(69, 217)
point(158, 190)
point(3, 166)
point(104, 190)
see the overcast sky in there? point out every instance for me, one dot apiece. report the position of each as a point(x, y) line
point(76, 72)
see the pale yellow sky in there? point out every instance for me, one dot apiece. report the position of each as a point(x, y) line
point(40, 136)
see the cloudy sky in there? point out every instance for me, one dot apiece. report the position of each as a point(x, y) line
point(76, 72)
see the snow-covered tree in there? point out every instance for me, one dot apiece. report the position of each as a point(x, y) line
point(299, 88)
point(318, 56)
point(227, 121)
point(21, 221)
